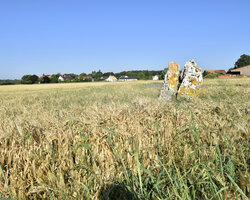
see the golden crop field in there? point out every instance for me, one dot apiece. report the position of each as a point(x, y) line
point(119, 141)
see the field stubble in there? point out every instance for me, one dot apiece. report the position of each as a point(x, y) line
point(118, 141)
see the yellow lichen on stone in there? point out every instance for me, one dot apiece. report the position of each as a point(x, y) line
point(174, 67)
point(187, 92)
point(191, 91)
point(182, 91)
point(194, 81)
point(171, 80)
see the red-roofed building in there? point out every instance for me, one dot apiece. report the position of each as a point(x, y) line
point(241, 70)
point(216, 71)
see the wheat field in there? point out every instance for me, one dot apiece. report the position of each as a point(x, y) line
point(119, 141)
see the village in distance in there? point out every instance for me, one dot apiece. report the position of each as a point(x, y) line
point(241, 69)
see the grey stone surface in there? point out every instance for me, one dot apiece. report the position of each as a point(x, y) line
point(190, 80)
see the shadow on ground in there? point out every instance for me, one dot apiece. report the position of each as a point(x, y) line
point(117, 192)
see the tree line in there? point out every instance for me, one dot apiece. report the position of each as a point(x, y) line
point(84, 77)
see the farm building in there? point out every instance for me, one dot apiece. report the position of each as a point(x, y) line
point(241, 71)
point(104, 77)
point(65, 77)
point(87, 77)
point(126, 78)
point(61, 78)
point(111, 78)
point(155, 78)
point(216, 71)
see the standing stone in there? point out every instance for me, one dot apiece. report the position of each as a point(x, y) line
point(171, 82)
point(190, 80)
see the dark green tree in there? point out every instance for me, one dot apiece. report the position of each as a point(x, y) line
point(108, 73)
point(98, 74)
point(54, 78)
point(34, 78)
point(93, 74)
point(205, 73)
point(242, 61)
point(163, 72)
point(29, 79)
point(44, 79)
point(141, 74)
point(229, 70)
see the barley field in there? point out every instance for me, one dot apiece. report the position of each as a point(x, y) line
point(109, 141)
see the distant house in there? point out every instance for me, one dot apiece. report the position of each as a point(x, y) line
point(216, 71)
point(104, 77)
point(65, 77)
point(87, 77)
point(111, 78)
point(68, 77)
point(126, 78)
point(155, 78)
point(241, 71)
point(61, 78)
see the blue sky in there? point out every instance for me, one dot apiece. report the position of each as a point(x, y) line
point(70, 36)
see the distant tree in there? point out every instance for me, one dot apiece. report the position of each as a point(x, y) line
point(82, 75)
point(34, 79)
point(9, 82)
point(141, 74)
point(54, 78)
point(29, 79)
point(93, 73)
point(108, 73)
point(163, 72)
point(44, 79)
point(205, 73)
point(229, 70)
point(118, 75)
point(26, 79)
point(242, 61)
point(98, 74)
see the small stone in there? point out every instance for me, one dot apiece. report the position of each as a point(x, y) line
point(190, 80)
point(171, 82)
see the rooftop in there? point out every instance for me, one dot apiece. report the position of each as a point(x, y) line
point(237, 69)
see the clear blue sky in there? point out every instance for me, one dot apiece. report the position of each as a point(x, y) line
point(74, 36)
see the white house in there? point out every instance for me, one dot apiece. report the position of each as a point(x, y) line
point(126, 78)
point(111, 78)
point(60, 78)
point(155, 78)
